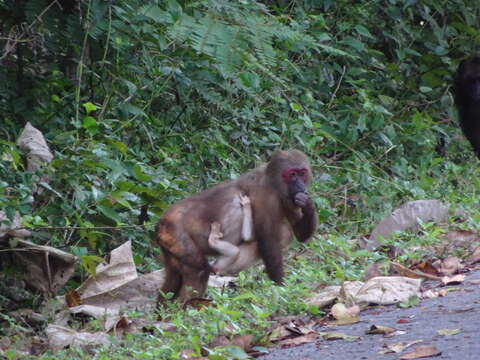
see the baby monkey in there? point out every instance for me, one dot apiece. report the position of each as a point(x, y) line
point(229, 252)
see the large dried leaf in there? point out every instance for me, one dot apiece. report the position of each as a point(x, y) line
point(31, 141)
point(415, 274)
point(451, 265)
point(139, 294)
point(118, 287)
point(119, 271)
point(454, 280)
point(475, 257)
point(448, 332)
point(407, 217)
point(46, 269)
point(60, 337)
point(335, 335)
point(325, 297)
point(398, 347)
point(383, 290)
point(422, 351)
point(341, 312)
point(299, 340)
point(380, 329)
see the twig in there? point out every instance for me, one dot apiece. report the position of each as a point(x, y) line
point(334, 95)
point(80, 227)
point(48, 271)
point(10, 47)
point(414, 273)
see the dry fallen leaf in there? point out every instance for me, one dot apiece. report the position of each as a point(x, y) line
point(430, 294)
point(415, 274)
point(341, 312)
point(324, 297)
point(278, 333)
point(422, 351)
point(380, 329)
point(197, 303)
point(398, 347)
point(448, 332)
point(346, 321)
point(454, 280)
point(406, 217)
point(301, 328)
point(72, 297)
point(242, 341)
point(426, 267)
point(382, 290)
point(475, 257)
point(334, 335)
point(60, 337)
point(451, 265)
point(299, 340)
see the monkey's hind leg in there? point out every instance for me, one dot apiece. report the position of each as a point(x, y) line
point(173, 278)
point(194, 282)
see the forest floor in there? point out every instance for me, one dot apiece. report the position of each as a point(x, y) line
point(457, 316)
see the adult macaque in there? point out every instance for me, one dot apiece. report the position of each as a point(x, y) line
point(281, 209)
point(467, 99)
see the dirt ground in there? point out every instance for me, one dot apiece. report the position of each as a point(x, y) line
point(457, 310)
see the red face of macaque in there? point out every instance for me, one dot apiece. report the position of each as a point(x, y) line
point(295, 178)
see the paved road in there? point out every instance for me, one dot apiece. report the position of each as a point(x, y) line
point(459, 309)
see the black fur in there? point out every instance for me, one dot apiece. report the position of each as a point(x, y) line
point(467, 100)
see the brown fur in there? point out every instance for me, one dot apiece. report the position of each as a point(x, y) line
point(184, 230)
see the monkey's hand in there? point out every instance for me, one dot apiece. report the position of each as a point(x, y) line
point(301, 199)
point(244, 200)
point(215, 232)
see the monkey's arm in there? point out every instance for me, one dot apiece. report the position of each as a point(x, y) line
point(268, 236)
point(305, 226)
point(247, 227)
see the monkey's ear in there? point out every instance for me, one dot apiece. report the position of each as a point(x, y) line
point(270, 154)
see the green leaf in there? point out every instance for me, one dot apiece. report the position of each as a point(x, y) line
point(362, 30)
point(236, 352)
point(139, 174)
point(90, 262)
point(157, 14)
point(425, 89)
point(110, 213)
point(295, 107)
point(90, 124)
point(89, 107)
